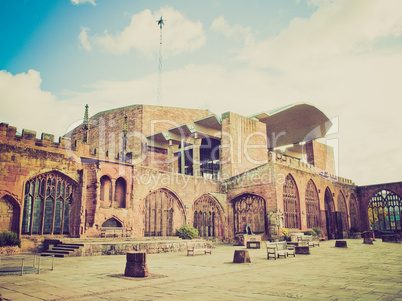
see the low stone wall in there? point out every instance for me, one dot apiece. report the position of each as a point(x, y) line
point(121, 248)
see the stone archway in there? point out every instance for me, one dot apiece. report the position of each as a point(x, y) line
point(384, 210)
point(342, 223)
point(249, 209)
point(330, 215)
point(47, 202)
point(208, 217)
point(9, 214)
point(163, 213)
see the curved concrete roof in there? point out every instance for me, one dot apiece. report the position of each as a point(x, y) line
point(294, 124)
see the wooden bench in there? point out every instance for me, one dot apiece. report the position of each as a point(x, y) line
point(310, 240)
point(276, 249)
point(113, 232)
point(193, 247)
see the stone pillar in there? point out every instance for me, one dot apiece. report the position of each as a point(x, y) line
point(136, 265)
point(341, 244)
point(170, 157)
point(368, 240)
point(182, 158)
point(305, 250)
point(196, 161)
point(241, 256)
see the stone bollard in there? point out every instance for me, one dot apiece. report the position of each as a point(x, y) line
point(305, 250)
point(241, 256)
point(136, 265)
point(368, 240)
point(341, 244)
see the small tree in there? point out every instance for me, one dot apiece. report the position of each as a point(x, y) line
point(187, 232)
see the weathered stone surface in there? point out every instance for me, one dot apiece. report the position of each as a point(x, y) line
point(305, 250)
point(136, 265)
point(368, 240)
point(341, 244)
point(241, 256)
point(391, 238)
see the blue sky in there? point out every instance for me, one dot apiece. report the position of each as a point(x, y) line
point(344, 57)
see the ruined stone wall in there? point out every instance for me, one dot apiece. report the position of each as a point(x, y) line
point(24, 157)
point(97, 213)
point(105, 136)
point(186, 188)
point(243, 145)
point(259, 181)
point(365, 193)
point(302, 176)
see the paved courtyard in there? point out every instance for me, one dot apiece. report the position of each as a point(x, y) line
point(359, 272)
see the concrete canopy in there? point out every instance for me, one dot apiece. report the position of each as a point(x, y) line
point(294, 124)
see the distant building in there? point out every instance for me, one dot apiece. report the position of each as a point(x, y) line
point(147, 170)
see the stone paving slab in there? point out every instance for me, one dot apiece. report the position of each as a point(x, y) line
point(359, 272)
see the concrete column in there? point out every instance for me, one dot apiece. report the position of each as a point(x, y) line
point(196, 161)
point(170, 162)
point(182, 157)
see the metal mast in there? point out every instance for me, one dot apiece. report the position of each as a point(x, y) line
point(159, 99)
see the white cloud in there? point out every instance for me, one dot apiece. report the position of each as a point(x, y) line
point(77, 2)
point(25, 105)
point(233, 31)
point(83, 37)
point(179, 35)
point(336, 28)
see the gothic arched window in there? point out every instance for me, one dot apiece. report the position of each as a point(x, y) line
point(249, 209)
point(46, 204)
point(208, 216)
point(384, 211)
point(312, 205)
point(291, 203)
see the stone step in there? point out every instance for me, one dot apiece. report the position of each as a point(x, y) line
point(50, 254)
point(59, 251)
point(62, 249)
point(71, 246)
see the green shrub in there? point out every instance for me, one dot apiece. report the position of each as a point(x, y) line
point(310, 232)
point(318, 231)
point(187, 232)
point(9, 238)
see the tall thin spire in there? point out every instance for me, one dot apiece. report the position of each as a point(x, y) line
point(85, 125)
point(125, 131)
point(159, 96)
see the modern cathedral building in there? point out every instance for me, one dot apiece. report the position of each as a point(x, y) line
point(148, 170)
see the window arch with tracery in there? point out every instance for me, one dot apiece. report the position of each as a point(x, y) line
point(163, 214)
point(249, 209)
point(312, 205)
point(208, 217)
point(47, 204)
point(354, 215)
point(291, 205)
point(384, 211)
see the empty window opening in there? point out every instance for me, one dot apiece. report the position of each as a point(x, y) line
point(209, 158)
